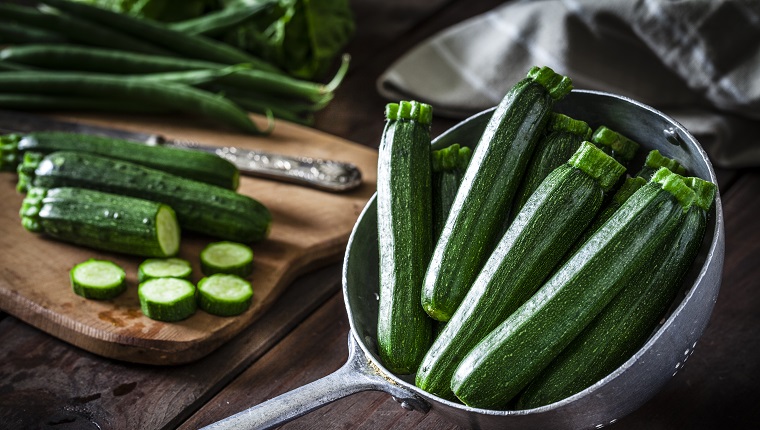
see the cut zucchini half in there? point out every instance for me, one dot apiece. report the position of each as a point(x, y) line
point(224, 295)
point(164, 268)
point(167, 299)
point(230, 258)
point(98, 279)
point(167, 229)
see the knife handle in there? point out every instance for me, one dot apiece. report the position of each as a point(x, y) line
point(328, 175)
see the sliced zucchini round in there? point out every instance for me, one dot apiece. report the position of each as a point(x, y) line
point(164, 268)
point(167, 299)
point(230, 258)
point(98, 279)
point(224, 295)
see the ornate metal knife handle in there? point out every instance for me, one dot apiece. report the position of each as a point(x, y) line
point(318, 173)
point(325, 174)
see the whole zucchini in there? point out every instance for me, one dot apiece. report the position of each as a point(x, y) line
point(516, 351)
point(405, 234)
point(102, 221)
point(197, 165)
point(625, 324)
point(448, 166)
point(562, 138)
point(485, 195)
point(200, 207)
point(542, 232)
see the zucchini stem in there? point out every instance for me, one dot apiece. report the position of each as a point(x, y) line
point(595, 163)
point(615, 144)
point(557, 85)
point(675, 185)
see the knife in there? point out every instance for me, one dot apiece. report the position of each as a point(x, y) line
point(327, 175)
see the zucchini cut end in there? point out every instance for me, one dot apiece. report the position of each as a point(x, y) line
point(227, 257)
point(557, 85)
point(98, 279)
point(614, 143)
point(675, 185)
point(597, 164)
point(224, 295)
point(561, 122)
point(655, 160)
point(167, 299)
point(164, 268)
point(167, 230)
point(409, 111)
point(705, 191)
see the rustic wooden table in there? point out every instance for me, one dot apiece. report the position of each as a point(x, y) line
point(46, 383)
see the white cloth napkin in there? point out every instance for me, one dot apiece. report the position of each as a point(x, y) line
point(696, 60)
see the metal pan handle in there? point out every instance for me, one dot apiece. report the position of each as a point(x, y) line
point(358, 374)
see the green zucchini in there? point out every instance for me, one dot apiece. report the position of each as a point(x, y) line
point(167, 299)
point(516, 351)
point(164, 268)
point(98, 279)
point(231, 258)
point(615, 144)
point(562, 138)
point(405, 234)
point(224, 295)
point(542, 232)
point(197, 165)
point(627, 322)
point(200, 207)
point(102, 221)
point(480, 209)
point(655, 160)
point(448, 165)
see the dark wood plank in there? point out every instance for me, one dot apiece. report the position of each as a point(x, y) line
point(316, 348)
point(46, 382)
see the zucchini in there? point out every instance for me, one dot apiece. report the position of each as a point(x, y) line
point(231, 258)
point(542, 232)
point(628, 321)
point(615, 144)
point(224, 295)
point(655, 160)
point(448, 165)
point(562, 138)
point(479, 211)
point(405, 234)
point(167, 299)
point(164, 268)
point(200, 207)
point(510, 356)
point(98, 279)
point(102, 221)
point(196, 165)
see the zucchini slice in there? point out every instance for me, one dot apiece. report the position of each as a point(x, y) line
point(224, 295)
point(231, 258)
point(167, 299)
point(98, 279)
point(164, 268)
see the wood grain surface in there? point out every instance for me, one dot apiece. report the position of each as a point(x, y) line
point(309, 229)
point(48, 384)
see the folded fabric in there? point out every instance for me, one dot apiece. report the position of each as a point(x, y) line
point(696, 60)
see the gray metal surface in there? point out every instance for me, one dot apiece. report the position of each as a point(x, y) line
point(618, 394)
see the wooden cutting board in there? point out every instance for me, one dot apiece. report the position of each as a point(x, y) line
point(310, 229)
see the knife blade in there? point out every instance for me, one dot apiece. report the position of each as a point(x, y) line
point(323, 174)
